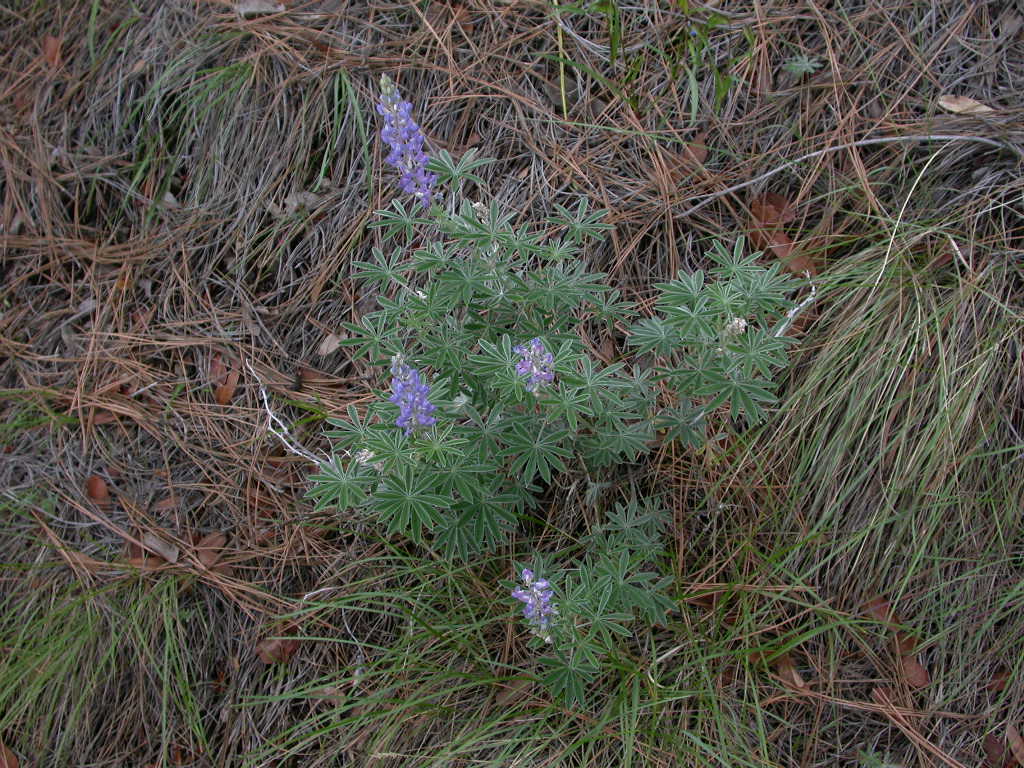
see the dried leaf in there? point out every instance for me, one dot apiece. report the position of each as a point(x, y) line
point(226, 391)
point(7, 758)
point(250, 9)
point(85, 561)
point(165, 549)
point(51, 51)
point(997, 754)
point(218, 371)
point(772, 209)
point(999, 680)
point(914, 673)
point(276, 650)
point(166, 504)
point(210, 548)
point(880, 610)
point(1016, 743)
point(696, 151)
point(330, 343)
point(96, 489)
point(769, 213)
point(782, 246)
point(145, 562)
point(514, 691)
point(906, 643)
point(786, 669)
point(964, 105)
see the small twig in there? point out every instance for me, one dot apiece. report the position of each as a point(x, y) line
point(795, 311)
point(281, 432)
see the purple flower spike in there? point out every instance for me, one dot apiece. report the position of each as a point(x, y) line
point(535, 365)
point(406, 140)
point(411, 396)
point(538, 610)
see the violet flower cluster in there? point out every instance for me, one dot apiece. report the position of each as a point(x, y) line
point(536, 364)
point(411, 395)
point(406, 140)
point(538, 610)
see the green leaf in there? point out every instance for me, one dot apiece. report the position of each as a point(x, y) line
point(337, 486)
point(383, 271)
point(407, 503)
point(653, 334)
point(537, 453)
point(568, 676)
point(398, 221)
point(448, 170)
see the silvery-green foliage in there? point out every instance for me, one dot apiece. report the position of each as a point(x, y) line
point(802, 64)
point(717, 341)
point(486, 394)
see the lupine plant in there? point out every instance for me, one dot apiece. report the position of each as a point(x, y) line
point(495, 396)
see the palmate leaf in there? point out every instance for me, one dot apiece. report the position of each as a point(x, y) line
point(352, 432)
point(373, 337)
point(756, 352)
point(383, 271)
point(406, 501)
point(450, 170)
point(476, 527)
point(338, 486)
point(695, 321)
point(682, 422)
point(398, 221)
point(563, 286)
point(682, 291)
point(733, 265)
point(536, 453)
point(653, 334)
point(581, 223)
point(744, 396)
point(568, 676)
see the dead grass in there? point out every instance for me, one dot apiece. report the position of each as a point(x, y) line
point(183, 191)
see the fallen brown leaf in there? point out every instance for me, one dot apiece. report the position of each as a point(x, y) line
point(964, 105)
point(226, 391)
point(160, 546)
point(772, 209)
point(166, 504)
point(218, 371)
point(914, 672)
point(999, 680)
point(146, 562)
point(1016, 743)
point(880, 610)
point(786, 669)
point(85, 561)
point(51, 51)
point(997, 754)
point(330, 344)
point(768, 213)
point(906, 643)
point(276, 650)
point(695, 152)
point(7, 758)
point(210, 548)
point(96, 489)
